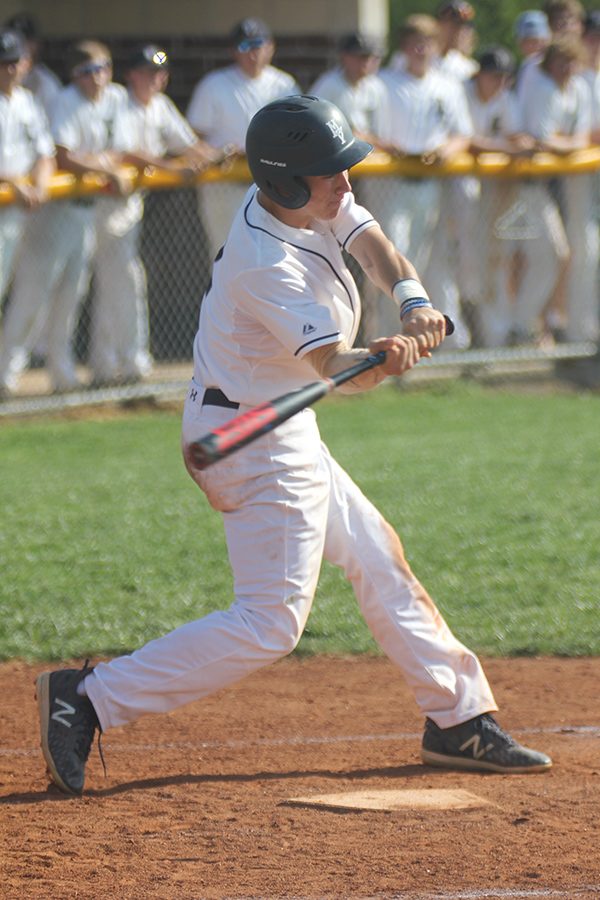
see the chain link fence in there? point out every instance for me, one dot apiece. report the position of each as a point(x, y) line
point(509, 249)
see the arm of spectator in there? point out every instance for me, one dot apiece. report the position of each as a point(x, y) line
point(107, 163)
point(32, 191)
point(455, 144)
point(561, 144)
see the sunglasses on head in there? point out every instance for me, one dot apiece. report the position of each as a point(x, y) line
point(92, 68)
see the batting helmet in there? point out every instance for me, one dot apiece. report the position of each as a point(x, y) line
point(296, 136)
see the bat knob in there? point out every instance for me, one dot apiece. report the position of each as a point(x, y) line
point(449, 325)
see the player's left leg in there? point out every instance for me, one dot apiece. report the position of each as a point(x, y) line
point(446, 677)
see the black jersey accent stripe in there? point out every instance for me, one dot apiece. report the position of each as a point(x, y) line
point(323, 337)
point(298, 247)
point(354, 230)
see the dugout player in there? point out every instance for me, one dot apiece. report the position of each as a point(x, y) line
point(220, 109)
point(150, 131)
point(26, 155)
point(282, 305)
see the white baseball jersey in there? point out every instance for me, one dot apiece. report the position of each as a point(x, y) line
point(157, 127)
point(546, 109)
point(419, 114)
point(79, 124)
point(24, 133)
point(359, 102)
point(44, 85)
point(224, 101)
point(497, 116)
point(257, 326)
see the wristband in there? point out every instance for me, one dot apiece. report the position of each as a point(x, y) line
point(411, 295)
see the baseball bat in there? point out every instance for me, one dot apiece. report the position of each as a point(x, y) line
point(235, 434)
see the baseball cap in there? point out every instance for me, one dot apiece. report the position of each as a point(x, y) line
point(12, 48)
point(496, 59)
point(24, 24)
point(149, 56)
point(459, 10)
point(360, 44)
point(533, 23)
point(250, 33)
point(592, 21)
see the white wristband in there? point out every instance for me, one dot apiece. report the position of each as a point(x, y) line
point(409, 289)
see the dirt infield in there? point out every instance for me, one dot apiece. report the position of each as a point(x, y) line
point(194, 804)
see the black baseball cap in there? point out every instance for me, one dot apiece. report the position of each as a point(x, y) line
point(12, 48)
point(496, 59)
point(360, 44)
point(149, 56)
point(250, 33)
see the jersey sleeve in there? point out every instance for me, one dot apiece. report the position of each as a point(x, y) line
point(351, 221)
point(277, 300)
point(178, 132)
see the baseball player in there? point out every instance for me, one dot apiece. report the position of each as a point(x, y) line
point(353, 85)
point(556, 109)
point(150, 131)
point(424, 115)
point(26, 158)
point(282, 305)
point(220, 109)
point(61, 241)
point(484, 273)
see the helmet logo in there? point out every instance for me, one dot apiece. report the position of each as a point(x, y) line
point(336, 130)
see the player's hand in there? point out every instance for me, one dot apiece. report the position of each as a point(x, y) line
point(401, 353)
point(428, 326)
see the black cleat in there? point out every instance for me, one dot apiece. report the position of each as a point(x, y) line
point(479, 744)
point(68, 723)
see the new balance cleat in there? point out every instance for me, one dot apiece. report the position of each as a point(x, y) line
point(68, 723)
point(479, 744)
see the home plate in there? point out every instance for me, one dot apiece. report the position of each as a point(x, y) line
point(426, 799)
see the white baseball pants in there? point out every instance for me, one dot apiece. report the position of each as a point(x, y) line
point(286, 505)
point(119, 330)
point(51, 281)
point(218, 203)
point(12, 225)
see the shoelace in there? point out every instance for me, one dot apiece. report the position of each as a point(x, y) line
point(83, 745)
point(493, 726)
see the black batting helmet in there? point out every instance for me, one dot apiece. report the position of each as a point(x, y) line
point(295, 136)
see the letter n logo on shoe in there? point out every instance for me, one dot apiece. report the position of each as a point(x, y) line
point(475, 742)
point(65, 710)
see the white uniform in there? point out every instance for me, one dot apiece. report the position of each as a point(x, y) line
point(24, 139)
point(277, 292)
point(59, 247)
point(120, 331)
point(220, 109)
point(546, 109)
point(417, 115)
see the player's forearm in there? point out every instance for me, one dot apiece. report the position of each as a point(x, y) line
point(383, 264)
point(42, 172)
point(334, 358)
point(87, 163)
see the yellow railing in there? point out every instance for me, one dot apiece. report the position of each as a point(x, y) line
point(499, 165)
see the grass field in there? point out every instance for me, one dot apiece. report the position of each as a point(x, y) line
point(105, 542)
